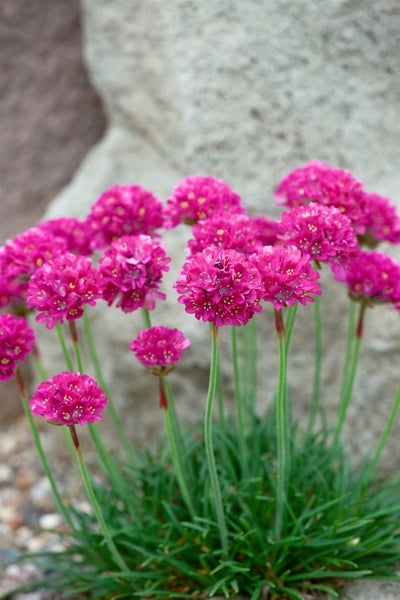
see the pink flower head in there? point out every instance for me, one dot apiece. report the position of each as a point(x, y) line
point(75, 233)
point(21, 256)
point(197, 197)
point(159, 346)
point(322, 232)
point(61, 287)
point(123, 210)
point(371, 275)
point(225, 230)
point(266, 230)
point(287, 275)
point(69, 399)
point(382, 221)
point(132, 269)
point(17, 340)
point(319, 182)
point(219, 286)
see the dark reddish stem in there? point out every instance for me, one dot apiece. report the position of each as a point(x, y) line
point(279, 323)
point(20, 383)
point(74, 436)
point(73, 331)
point(360, 323)
point(163, 395)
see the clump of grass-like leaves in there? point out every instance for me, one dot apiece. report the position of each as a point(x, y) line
point(332, 529)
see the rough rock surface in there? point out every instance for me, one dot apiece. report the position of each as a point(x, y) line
point(246, 94)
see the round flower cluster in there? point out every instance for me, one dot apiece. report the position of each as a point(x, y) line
point(322, 232)
point(197, 197)
point(69, 399)
point(61, 287)
point(382, 221)
point(372, 275)
point(225, 230)
point(319, 182)
point(72, 230)
point(123, 210)
point(159, 346)
point(287, 276)
point(219, 286)
point(21, 257)
point(17, 340)
point(132, 269)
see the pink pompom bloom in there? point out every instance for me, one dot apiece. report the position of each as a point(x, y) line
point(22, 256)
point(123, 210)
point(322, 232)
point(266, 230)
point(75, 233)
point(287, 276)
point(69, 399)
point(17, 340)
point(61, 287)
point(225, 230)
point(159, 346)
point(371, 275)
point(197, 197)
point(132, 269)
point(382, 221)
point(319, 182)
point(220, 286)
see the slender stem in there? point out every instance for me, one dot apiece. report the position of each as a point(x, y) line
point(146, 317)
point(215, 488)
point(349, 344)
point(347, 388)
point(176, 456)
point(63, 344)
point(102, 382)
point(384, 438)
point(239, 400)
point(220, 398)
point(75, 343)
point(316, 392)
point(62, 509)
point(94, 503)
point(291, 313)
point(282, 430)
point(249, 366)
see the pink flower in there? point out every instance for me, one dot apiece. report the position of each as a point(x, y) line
point(69, 399)
point(225, 230)
point(17, 340)
point(21, 256)
point(382, 221)
point(123, 210)
point(132, 269)
point(219, 286)
point(61, 287)
point(371, 275)
point(287, 276)
point(266, 230)
point(159, 346)
point(319, 182)
point(322, 232)
point(75, 233)
point(197, 197)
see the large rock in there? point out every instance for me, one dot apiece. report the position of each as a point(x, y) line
point(246, 91)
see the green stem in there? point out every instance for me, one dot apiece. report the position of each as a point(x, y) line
point(349, 343)
point(215, 488)
point(63, 344)
point(62, 509)
point(316, 392)
point(176, 455)
point(239, 400)
point(291, 313)
point(102, 382)
point(384, 438)
point(347, 388)
point(95, 505)
point(146, 317)
point(75, 344)
point(282, 430)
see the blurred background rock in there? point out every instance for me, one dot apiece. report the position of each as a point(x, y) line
point(49, 116)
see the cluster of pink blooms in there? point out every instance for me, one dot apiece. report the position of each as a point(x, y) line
point(61, 287)
point(132, 269)
point(17, 340)
point(159, 346)
point(69, 399)
point(235, 262)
